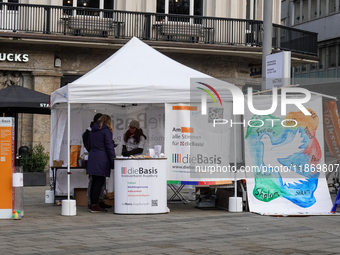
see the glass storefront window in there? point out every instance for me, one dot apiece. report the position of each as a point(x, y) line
point(331, 73)
point(322, 74)
point(297, 78)
point(304, 78)
point(313, 77)
point(296, 69)
point(313, 66)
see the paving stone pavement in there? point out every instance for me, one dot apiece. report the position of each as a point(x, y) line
point(184, 231)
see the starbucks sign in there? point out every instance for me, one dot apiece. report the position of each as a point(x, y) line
point(13, 57)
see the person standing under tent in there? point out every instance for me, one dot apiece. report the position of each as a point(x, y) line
point(85, 137)
point(101, 158)
point(134, 140)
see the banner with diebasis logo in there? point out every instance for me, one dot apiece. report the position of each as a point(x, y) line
point(198, 153)
point(6, 166)
point(140, 186)
point(284, 155)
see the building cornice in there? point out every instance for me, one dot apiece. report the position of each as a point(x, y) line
point(162, 46)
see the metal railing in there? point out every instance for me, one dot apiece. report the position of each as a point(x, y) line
point(77, 21)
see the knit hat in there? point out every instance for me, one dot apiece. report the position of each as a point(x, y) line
point(134, 123)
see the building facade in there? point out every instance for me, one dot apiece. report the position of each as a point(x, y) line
point(46, 44)
point(322, 17)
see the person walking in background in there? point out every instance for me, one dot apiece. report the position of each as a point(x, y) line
point(101, 158)
point(134, 140)
point(87, 147)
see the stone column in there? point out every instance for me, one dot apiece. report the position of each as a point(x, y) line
point(44, 82)
point(25, 123)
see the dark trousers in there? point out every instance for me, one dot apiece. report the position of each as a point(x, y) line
point(97, 184)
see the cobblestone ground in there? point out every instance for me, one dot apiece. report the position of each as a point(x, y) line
point(185, 230)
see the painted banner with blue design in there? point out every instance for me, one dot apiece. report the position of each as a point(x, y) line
point(285, 154)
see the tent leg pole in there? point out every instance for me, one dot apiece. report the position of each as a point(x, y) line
point(68, 150)
point(235, 159)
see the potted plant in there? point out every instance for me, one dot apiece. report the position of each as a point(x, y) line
point(34, 163)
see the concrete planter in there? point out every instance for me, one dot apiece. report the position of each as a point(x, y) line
point(35, 179)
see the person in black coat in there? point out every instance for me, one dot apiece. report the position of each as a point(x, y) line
point(101, 158)
point(85, 137)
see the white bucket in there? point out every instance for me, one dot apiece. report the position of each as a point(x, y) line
point(235, 204)
point(68, 207)
point(49, 197)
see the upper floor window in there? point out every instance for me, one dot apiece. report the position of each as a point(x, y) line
point(93, 4)
point(304, 11)
point(180, 7)
point(322, 8)
point(297, 12)
point(185, 7)
point(88, 3)
point(314, 9)
point(251, 9)
point(332, 6)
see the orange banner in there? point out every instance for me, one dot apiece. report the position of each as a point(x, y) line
point(332, 128)
point(184, 107)
point(6, 162)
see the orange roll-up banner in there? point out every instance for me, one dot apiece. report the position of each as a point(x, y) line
point(6, 166)
point(332, 128)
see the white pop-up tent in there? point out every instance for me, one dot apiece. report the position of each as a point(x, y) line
point(135, 74)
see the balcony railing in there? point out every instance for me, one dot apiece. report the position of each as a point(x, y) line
point(76, 21)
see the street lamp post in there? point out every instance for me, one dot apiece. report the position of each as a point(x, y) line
point(267, 36)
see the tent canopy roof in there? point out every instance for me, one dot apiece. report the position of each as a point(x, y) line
point(136, 73)
point(18, 99)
